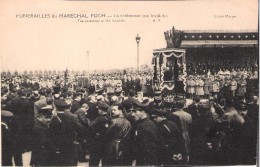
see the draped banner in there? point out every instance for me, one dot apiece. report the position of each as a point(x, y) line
point(169, 68)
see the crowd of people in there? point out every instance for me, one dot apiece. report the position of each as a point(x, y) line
point(61, 123)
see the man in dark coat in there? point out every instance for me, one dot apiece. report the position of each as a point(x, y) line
point(193, 108)
point(146, 138)
point(81, 114)
point(22, 124)
point(172, 147)
point(41, 138)
point(63, 133)
point(117, 136)
point(98, 127)
point(247, 137)
point(8, 138)
point(201, 142)
point(128, 103)
point(92, 111)
point(75, 105)
point(40, 103)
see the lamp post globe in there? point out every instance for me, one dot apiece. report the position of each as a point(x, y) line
point(137, 38)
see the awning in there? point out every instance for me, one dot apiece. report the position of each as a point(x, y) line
point(218, 43)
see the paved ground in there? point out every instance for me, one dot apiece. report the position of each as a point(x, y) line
point(27, 158)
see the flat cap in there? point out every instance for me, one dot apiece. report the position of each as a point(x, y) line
point(102, 105)
point(136, 105)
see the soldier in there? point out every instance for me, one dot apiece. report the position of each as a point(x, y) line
point(98, 127)
point(63, 133)
point(157, 103)
point(242, 87)
point(146, 138)
point(189, 87)
point(206, 87)
point(233, 87)
point(215, 88)
point(199, 89)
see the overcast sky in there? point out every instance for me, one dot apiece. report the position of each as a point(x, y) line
point(29, 44)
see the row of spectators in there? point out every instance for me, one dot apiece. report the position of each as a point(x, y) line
point(61, 128)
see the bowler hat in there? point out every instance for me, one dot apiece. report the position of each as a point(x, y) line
point(59, 103)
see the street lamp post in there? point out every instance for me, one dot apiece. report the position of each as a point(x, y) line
point(137, 38)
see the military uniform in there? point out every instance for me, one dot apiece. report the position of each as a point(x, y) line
point(97, 143)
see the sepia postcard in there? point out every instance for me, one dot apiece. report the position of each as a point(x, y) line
point(174, 41)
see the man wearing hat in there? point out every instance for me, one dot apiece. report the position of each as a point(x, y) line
point(98, 128)
point(118, 138)
point(185, 120)
point(202, 143)
point(172, 146)
point(128, 103)
point(157, 103)
point(40, 103)
point(41, 140)
point(193, 108)
point(75, 105)
point(146, 138)
point(22, 124)
point(63, 133)
point(92, 111)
